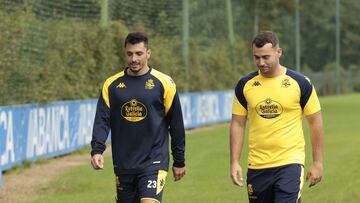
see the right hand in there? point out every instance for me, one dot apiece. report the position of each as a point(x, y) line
point(236, 174)
point(97, 161)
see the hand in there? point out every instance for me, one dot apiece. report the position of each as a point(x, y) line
point(178, 172)
point(236, 174)
point(314, 174)
point(97, 161)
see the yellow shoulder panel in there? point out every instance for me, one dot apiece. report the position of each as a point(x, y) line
point(313, 104)
point(105, 89)
point(237, 108)
point(169, 88)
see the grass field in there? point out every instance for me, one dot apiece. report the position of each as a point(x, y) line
point(207, 178)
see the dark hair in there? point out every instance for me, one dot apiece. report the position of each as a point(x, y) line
point(265, 37)
point(137, 37)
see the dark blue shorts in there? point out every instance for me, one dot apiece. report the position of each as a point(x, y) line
point(275, 185)
point(131, 188)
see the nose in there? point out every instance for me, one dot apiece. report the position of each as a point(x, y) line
point(133, 58)
point(261, 62)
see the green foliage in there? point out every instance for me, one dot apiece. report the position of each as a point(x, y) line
point(56, 50)
point(161, 17)
point(10, 54)
point(355, 74)
point(51, 55)
point(56, 59)
point(350, 29)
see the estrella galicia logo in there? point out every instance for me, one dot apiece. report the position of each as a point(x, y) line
point(133, 111)
point(269, 109)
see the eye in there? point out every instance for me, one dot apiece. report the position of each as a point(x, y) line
point(139, 53)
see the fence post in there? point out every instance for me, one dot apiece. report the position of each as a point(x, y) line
point(297, 35)
point(338, 63)
point(256, 18)
point(185, 45)
point(231, 32)
point(104, 20)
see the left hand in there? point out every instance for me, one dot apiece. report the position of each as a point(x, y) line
point(178, 172)
point(314, 174)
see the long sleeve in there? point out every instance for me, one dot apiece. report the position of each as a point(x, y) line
point(101, 127)
point(177, 132)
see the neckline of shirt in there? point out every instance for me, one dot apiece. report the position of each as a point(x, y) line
point(278, 76)
point(137, 76)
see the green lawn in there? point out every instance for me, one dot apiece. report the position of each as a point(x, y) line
point(207, 178)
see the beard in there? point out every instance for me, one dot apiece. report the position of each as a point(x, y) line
point(135, 67)
point(264, 69)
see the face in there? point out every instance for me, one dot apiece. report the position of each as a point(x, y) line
point(137, 56)
point(267, 59)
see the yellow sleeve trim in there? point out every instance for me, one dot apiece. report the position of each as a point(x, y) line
point(169, 88)
point(313, 104)
point(105, 89)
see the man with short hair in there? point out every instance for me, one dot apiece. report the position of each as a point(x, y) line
point(273, 99)
point(141, 107)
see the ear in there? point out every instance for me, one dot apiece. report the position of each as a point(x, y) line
point(279, 51)
point(148, 53)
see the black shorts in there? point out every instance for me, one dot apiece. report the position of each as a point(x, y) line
point(131, 188)
point(275, 185)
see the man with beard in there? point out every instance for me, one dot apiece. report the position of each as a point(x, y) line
point(141, 107)
point(273, 99)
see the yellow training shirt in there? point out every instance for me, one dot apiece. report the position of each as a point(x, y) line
point(274, 107)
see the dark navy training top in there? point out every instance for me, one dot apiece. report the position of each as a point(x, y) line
point(141, 111)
